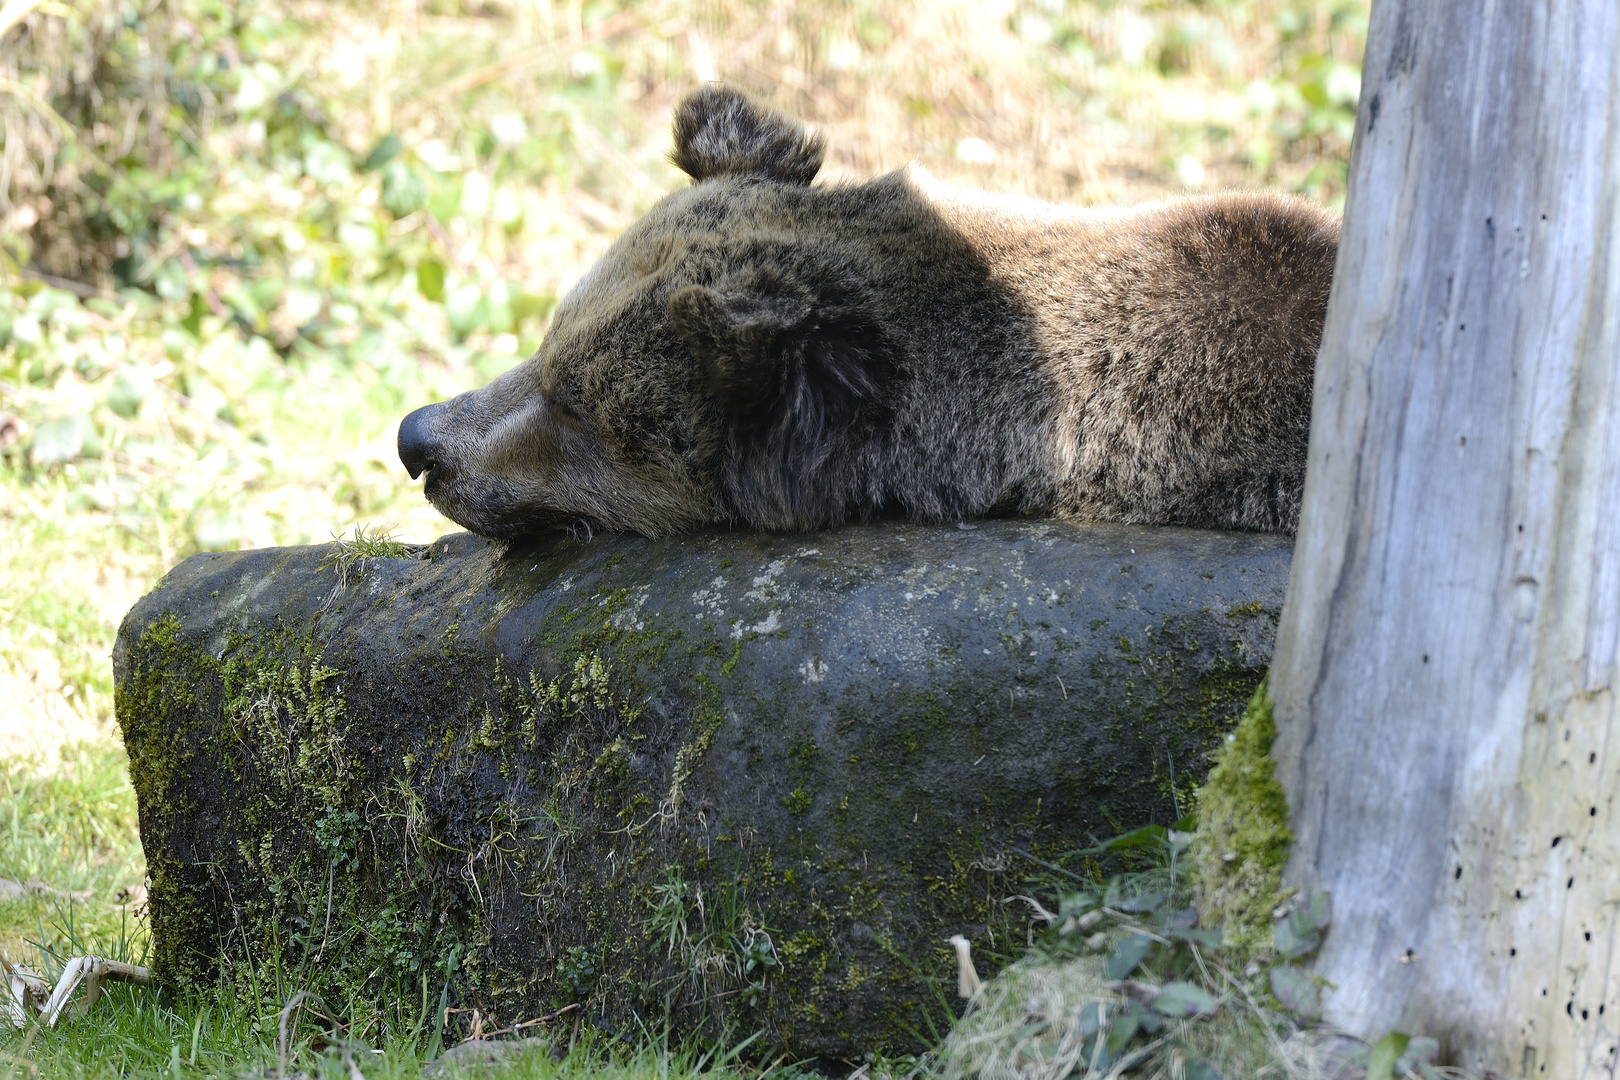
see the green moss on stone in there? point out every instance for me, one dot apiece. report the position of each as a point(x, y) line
point(798, 801)
point(1243, 837)
point(263, 715)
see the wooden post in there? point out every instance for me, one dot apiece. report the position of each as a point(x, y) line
point(1445, 673)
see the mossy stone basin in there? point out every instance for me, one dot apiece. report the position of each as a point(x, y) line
point(720, 782)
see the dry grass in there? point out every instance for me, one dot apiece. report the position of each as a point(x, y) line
point(1029, 1027)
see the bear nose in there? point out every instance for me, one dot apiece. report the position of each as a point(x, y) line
point(416, 446)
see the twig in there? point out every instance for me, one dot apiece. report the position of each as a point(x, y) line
point(77, 288)
point(331, 868)
point(1042, 862)
point(16, 890)
point(43, 107)
point(25, 994)
point(1278, 1050)
point(281, 1030)
point(968, 985)
point(1036, 904)
point(546, 1019)
point(1126, 922)
point(92, 971)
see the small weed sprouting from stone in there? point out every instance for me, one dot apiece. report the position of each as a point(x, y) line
point(376, 544)
point(718, 950)
point(357, 553)
point(364, 548)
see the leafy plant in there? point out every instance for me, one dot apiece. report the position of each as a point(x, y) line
point(1154, 957)
point(1122, 980)
point(577, 971)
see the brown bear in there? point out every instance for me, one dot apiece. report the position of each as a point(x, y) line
point(761, 351)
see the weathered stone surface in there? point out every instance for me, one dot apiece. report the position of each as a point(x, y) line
point(616, 771)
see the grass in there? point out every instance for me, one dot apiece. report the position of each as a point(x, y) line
point(135, 1032)
point(74, 829)
point(238, 242)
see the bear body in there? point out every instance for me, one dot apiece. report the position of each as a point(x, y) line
point(757, 350)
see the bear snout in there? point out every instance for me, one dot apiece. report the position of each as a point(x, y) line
point(418, 448)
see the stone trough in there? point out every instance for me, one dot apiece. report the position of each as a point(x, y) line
point(724, 781)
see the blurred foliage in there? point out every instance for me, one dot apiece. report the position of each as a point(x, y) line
point(265, 160)
point(228, 224)
point(1284, 77)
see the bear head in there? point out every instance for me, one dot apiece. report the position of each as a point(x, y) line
point(706, 369)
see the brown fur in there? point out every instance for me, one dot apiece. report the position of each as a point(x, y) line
point(760, 351)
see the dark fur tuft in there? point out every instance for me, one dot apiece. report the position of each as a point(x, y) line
point(719, 131)
point(794, 377)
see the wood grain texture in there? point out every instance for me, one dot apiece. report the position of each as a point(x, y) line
point(1444, 678)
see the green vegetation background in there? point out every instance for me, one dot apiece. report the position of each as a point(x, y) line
point(240, 238)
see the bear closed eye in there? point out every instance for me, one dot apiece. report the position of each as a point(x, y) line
point(759, 350)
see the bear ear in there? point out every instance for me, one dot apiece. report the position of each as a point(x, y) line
point(786, 369)
point(720, 132)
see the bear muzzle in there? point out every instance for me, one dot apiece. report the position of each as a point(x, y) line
point(419, 450)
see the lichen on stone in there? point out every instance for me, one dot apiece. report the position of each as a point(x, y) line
point(1243, 837)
